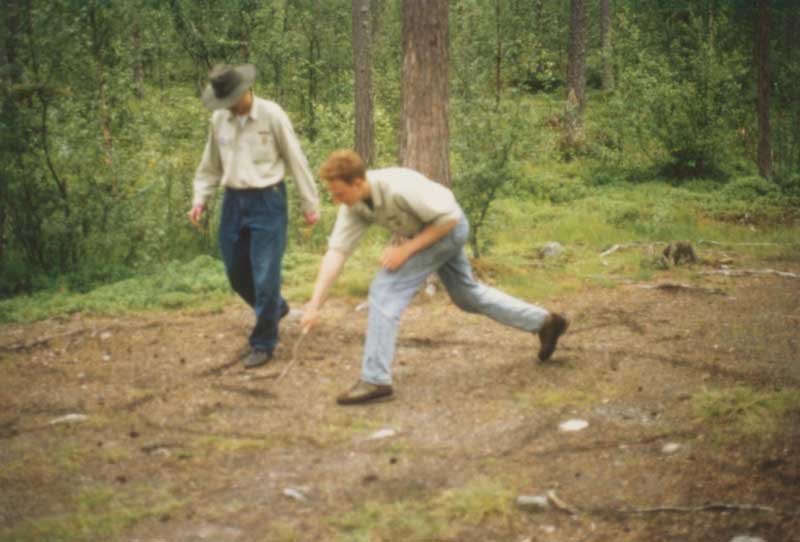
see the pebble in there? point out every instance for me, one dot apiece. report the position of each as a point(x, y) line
point(70, 418)
point(551, 249)
point(573, 425)
point(747, 538)
point(295, 494)
point(383, 433)
point(671, 447)
point(533, 503)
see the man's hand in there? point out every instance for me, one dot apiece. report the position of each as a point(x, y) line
point(312, 217)
point(393, 258)
point(195, 214)
point(309, 320)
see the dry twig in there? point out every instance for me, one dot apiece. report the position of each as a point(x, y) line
point(623, 246)
point(707, 507)
point(676, 286)
point(746, 272)
point(560, 504)
point(296, 347)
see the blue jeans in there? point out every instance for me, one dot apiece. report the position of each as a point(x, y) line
point(252, 238)
point(391, 292)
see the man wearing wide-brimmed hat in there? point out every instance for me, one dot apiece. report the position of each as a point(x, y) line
point(250, 145)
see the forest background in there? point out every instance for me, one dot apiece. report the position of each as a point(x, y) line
point(689, 128)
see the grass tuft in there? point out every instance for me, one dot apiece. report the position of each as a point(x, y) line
point(746, 412)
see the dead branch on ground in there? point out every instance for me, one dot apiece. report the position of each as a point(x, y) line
point(679, 286)
point(747, 272)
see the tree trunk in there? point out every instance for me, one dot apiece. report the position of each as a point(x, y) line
point(362, 62)
point(9, 58)
point(98, 45)
point(576, 74)
point(762, 105)
point(313, 68)
point(605, 44)
point(138, 65)
point(498, 53)
point(424, 133)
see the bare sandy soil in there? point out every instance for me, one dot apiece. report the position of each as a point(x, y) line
point(180, 443)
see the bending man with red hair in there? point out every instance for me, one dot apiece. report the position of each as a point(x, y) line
point(427, 215)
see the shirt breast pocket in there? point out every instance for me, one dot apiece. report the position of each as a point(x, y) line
point(262, 147)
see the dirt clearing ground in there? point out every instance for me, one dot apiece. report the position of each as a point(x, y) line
point(692, 399)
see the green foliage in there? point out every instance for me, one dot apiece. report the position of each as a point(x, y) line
point(201, 282)
point(102, 129)
point(485, 145)
point(746, 411)
point(97, 515)
point(679, 110)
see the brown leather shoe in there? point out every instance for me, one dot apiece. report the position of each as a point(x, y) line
point(364, 392)
point(554, 327)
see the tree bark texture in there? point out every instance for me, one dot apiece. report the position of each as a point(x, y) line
point(9, 58)
point(762, 102)
point(576, 73)
point(498, 53)
point(138, 66)
point(99, 42)
point(313, 72)
point(424, 133)
point(605, 44)
point(362, 61)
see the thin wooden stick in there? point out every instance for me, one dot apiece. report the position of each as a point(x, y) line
point(745, 272)
point(622, 246)
point(715, 506)
point(560, 504)
point(296, 347)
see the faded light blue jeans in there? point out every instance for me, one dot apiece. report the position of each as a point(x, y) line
point(391, 292)
point(252, 239)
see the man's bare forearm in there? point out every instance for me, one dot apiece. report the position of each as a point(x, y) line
point(332, 265)
point(428, 236)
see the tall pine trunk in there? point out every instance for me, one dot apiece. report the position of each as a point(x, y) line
point(138, 66)
point(762, 102)
point(576, 75)
point(424, 132)
point(362, 61)
point(498, 54)
point(605, 44)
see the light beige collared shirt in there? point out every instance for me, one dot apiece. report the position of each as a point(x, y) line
point(403, 200)
point(253, 154)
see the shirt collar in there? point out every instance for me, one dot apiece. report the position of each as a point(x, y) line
point(252, 114)
point(375, 191)
point(374, 194)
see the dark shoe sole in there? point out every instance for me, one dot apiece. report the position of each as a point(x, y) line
point(548, 346)
point(369, 398)
point(260, 362)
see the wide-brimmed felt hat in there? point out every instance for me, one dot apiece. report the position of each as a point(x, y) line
point(227, 84)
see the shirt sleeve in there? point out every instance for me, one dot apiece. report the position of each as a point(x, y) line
point(289, 148)
point(209, 172)
point(347, 231)
point(431, 202)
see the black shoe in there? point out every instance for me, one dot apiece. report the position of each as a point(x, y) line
point(554, 327)
point(364, 392)
point(257, 358)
